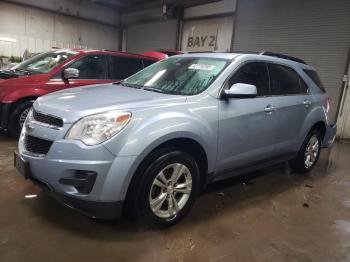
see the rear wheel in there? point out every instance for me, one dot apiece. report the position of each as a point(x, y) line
point(308, 154)
point(18, 116)
point(166, 190)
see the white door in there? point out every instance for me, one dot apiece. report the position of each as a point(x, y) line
point(344, 112)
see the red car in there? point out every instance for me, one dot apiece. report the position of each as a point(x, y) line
point(162, 53)
point(56, 70)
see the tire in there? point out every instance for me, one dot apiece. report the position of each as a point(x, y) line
point(17, 116)
point(145, 189)
point(304, 162)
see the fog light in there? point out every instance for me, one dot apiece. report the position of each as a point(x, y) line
point(82, 180)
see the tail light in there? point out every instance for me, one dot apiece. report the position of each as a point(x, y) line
point(328, 104)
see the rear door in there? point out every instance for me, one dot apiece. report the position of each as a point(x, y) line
point(292, 101)
point(246, 126)
point(123, 67)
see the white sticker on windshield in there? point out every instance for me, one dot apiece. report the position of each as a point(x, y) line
point(201, 67)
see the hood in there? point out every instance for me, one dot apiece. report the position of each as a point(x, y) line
point(8, 74)
point(21, 78)
point(75, 103)
point(10, 85)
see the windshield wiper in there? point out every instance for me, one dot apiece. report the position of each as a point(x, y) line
point(128, 85)
point(169, 92)
point(23, 71)
point(147, 88)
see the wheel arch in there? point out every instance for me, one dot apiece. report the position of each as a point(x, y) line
point(20, 101)
point(317, 118)
point(320, 126)
point(188, 145)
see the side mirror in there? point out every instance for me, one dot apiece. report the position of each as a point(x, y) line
point(70, 73)
point(240, 90)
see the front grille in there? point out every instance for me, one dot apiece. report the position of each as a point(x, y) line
point(47, 119)
point(37, 145)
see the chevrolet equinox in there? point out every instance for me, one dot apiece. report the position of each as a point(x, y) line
point(149, 143)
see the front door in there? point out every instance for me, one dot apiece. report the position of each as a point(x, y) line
point(93, 69)
point(246, 126)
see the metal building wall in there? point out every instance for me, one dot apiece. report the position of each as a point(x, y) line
point(317, 31)
point(206, 22)
point(223, 28)
point(151, 36)
point(38, 30)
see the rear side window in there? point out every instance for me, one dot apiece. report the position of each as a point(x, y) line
point(91, 67)
point(303, 86)
point(147, 62)
point(123, 67)
point(284, 80)
point(253, 74)
point(315, 78)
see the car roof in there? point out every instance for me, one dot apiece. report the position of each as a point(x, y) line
point(263, 56)
point(116, 53)
point(228, 56)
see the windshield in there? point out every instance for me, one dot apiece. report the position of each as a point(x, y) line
point(45, 62)
point(178, 75)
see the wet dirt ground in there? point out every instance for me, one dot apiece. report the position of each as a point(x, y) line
point(268, 215)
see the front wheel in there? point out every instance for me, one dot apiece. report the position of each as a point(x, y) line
point(308, 154)
point(18, 116)
point(167, 189)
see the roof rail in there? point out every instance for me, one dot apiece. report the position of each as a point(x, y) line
point(283, 56)
point(200, 52)
point(246, 52)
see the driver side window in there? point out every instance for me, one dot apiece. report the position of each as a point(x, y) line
point(91, 67)
point(254, 74)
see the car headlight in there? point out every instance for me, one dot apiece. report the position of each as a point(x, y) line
point(96, 129)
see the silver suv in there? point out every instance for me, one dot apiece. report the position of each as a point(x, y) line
point(152, 141)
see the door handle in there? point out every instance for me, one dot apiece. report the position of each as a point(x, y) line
point(270, 109)
point(307, 103)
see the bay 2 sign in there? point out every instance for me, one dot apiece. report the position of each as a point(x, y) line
point(201, 38)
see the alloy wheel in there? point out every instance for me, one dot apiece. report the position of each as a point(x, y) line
point(170, 191)
point(311, 152)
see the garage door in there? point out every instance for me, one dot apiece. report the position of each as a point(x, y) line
point(151, 36)
point(207, 35)
point(314, 30)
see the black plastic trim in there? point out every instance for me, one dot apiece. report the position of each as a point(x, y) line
point(94, 209)
point(4, 115)
point(82, 180)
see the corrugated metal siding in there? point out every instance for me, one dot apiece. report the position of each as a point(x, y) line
point(39, 31)
point(317, 31)
point(151, 36)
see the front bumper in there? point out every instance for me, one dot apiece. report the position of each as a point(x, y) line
point(95, 209)
point(60, 170)
point(329, 137)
